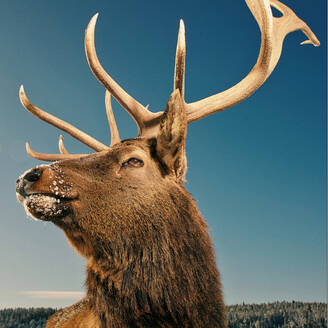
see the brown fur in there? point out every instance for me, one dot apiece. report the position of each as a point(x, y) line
point(78, 315)
point(150, 259)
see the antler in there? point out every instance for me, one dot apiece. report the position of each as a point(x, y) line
point(61, 146)
point(142, 116)
point(114, 135)
point(51, 157)
point(70, 129)
point(180, 61)
point(273, 33)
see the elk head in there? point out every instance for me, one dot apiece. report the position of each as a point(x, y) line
point(117, 202)
point(101, 194)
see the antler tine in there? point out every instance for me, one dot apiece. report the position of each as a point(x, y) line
point(51, 157)
point(114, 135)
point(180, 61)
point(60, 124)
point(139, 113)
point(293, 23)
point(273, 33)
point(61, 146)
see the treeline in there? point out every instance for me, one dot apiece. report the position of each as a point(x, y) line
point(273, 315)
point(25, 318)
point(278, 315)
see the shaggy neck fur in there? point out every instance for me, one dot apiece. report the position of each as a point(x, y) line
point(165, 278)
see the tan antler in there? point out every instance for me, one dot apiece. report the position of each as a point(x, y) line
point(273, 33)
point(60, 124)
point(142, 116)
point(180, 61)
point(114, 135)
point(51, 157)
point(61, 146)
point(70, 129)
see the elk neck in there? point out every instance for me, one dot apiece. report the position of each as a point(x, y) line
point(160, 273)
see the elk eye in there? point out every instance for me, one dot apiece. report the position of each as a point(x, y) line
point(133, 162)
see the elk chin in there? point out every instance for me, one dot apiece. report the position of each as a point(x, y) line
point(46, 207)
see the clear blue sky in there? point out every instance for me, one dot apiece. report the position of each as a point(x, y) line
point(258, 170)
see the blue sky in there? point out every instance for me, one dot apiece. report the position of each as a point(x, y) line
point(258, 170)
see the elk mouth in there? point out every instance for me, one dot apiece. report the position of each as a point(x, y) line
point(47, 206)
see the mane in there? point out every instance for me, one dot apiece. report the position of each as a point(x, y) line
point(167, 279)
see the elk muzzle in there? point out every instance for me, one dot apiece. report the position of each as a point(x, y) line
point(44, 193)
point(26, 181)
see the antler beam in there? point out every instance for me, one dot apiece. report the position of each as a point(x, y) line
point(73, 131)
point(51, 157)
point(140, 114)
point(273, 33)
point(60, 124)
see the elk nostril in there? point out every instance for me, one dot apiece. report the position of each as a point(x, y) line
point(18, 185)
point(33, 176)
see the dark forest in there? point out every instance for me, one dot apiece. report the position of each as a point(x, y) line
point(272, 315)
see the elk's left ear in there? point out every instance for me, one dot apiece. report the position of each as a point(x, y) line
point(172, 135)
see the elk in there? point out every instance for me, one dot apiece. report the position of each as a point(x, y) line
point(125, 209)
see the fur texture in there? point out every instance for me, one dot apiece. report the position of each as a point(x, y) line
point(150, 260)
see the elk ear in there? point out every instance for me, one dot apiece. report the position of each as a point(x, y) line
point(172, 135)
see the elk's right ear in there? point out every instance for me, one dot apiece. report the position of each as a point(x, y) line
point(172, 135)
